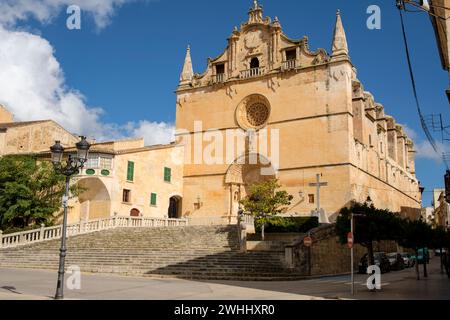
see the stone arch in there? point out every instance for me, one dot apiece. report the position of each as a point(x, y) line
point(245, 171)
point(95, 201)
point(242, 171)
point(135, 212)
point(175, 207)
point(254, 63)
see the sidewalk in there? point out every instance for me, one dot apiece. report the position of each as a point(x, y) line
point(27, 284)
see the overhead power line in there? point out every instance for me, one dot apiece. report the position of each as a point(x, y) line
point(421, 8)
point(413, 82)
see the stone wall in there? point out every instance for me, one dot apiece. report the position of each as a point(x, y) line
point(34, 137)
point(327, 256)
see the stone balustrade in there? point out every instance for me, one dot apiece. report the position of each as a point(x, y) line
point(55, 232)
point(254, 72)
point(212, 221)
point(219, 78)
point(289, 65)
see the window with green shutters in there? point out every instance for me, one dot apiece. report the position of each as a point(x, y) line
point(130, 171)
point(167, 174)
point(153, 199)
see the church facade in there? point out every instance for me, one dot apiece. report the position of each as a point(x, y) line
point(318, 125)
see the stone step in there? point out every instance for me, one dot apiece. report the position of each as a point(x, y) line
point(188, 252)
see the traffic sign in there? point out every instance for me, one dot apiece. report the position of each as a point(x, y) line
point(307, 241)
point(350, 240)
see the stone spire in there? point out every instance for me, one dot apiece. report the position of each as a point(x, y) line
point(256, 13)
point(340, 47)
point(188, 72)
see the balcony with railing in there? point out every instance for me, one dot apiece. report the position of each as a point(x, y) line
point(289, 65)
point(253, 72)
point(219, 78)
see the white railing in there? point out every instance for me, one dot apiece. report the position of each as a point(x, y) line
point(212, 221)
point(50, 233)
point(219, 78)
point(248, 219)
point(254, 72)
point(289, 65)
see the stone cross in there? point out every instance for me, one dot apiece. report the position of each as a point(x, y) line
point(318, 185)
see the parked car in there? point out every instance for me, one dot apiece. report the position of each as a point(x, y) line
point(408, 259)
point(437, 252)
point(396, 261)
point(381, 260)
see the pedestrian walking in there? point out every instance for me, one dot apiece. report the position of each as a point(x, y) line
point(446, 262)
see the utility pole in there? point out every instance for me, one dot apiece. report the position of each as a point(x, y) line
point(447, 186)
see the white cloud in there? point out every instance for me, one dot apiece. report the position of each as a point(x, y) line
point(410, 132)
point(32, 83)
point(153, 132)
point(426, 151)
point(423, 147)
point(14, 11)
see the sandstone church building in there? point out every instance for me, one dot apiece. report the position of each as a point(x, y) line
point(327, 124)
point(321, 127)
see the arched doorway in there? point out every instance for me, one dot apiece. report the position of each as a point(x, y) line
point(174, 211)
point(135, 212)
point(243, 173)
point(95, 201)
point(254, 63)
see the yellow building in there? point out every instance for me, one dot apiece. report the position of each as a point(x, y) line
point(312, 112)
point(440, 15)
point(126, 178)
point(31, 136)
point(123, 178)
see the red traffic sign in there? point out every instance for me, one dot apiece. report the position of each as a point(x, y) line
point(307, 241)
point(350, 240)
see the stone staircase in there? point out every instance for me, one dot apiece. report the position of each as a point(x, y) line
point(193, 252)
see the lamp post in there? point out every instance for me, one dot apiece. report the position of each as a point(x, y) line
point(68, 169)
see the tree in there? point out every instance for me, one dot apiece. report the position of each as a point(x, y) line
point(30, 192)
point(370, 224)
point(438, 241)
point(264, 200)
point(417, 235)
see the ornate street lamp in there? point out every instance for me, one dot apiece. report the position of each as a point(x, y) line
point(71, 167)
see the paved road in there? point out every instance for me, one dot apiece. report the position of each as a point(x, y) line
point(396, 285)
point(38, 284)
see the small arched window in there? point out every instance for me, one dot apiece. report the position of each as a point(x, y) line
point(254, 63)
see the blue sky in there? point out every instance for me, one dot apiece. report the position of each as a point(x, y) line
point(131, 67)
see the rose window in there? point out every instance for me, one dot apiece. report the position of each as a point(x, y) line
point(257, 114)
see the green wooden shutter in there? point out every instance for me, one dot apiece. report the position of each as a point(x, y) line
point(153, 199)
point(130, 171)
point(167, 174)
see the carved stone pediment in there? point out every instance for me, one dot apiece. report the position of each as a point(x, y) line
point(253, 39)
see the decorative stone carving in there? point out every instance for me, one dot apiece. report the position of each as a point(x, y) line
point(253, 39)
point(253, 112)
point(257, 114)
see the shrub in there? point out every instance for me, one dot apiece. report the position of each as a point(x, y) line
point(287, 224)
